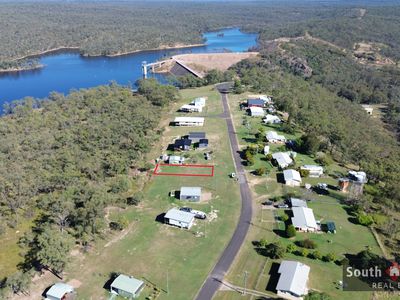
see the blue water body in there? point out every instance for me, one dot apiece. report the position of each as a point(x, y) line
point(66, 71)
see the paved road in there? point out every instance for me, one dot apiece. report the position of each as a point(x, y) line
point(215, 278)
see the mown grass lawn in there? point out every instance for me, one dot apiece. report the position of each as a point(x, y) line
point(154, 251)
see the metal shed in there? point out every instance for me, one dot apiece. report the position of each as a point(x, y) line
point(127, 286)
point(192, 194)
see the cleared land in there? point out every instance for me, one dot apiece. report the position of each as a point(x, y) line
point(184, 170)
point(150, 249)
point(350, 237)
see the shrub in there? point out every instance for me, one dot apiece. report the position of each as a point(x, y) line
point(313, 295)
point(344, 261)
point(284, 217)
point(330, 257)
point(308, 244)
point(260, 171)
point(324, 159)
point(290, 231)
point(119, 224)
point(263, 243)
point(268, 157)
point(364, 219)
point(135, 199)
point(304, 173)
point(315, 255)
point(291, 248)
point(304, 252)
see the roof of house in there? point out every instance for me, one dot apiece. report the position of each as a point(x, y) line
point(199, 101)
point(256, 109)
point(189, 119)
point(183, 142)
point(303, 217)
point(191, 190)
point(293, 277)
point(262, 97)
point(127, 284)
point(255, 102)
point(197, 135)
point(312, 168)
point(179, 215)
point(203, 141)
point(360, 176)
point(270, 117)
point(296, 202)
point(188, 106)
point(59, 289)
point(282, 158)
point(176, 157)
point(272, 135)
point(291, 175)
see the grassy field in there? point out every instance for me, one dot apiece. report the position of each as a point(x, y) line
point(350, 237)
point(153, 251)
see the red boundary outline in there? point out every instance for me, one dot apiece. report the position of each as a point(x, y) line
point(184, 166)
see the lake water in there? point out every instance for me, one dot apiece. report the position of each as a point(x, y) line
point(66, 71)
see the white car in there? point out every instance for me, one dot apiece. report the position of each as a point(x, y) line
point(197, 213)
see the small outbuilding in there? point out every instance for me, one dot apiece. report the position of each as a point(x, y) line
point(292, 177)
point(293, 279)
point(314, 170)
point(191, 108)
point(179, 218)
point(256, 111)
point(282, 159)
point(127, 286)
point(182, 144)
point(190, 194)
point(203, 143)
point(330, 227)
point(200, 101)
point(60, 291)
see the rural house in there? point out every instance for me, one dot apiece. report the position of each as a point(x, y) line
point(127, 286)
point(192, 194)
point(304, 220)
point(189, 121)
point(256, 111)
point(60, 291)
point(200, 102)
point(292, 177)
point(360, 176)
point(179, 218)
point(282, 159)
point(275, 138)
point(293, 279)
point(196, 136)
point(182, 144)
point(265, 98)
point(203, 143)
point(296, 202)
point(176, 160)
point(272, 119)
point(314, 171)
point(191, 108)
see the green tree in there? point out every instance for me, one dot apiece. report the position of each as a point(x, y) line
point(364, 219)
point(19, 282)
point(330, 257)
point(263, 243)
point(260, 171)
point(291, 248)
point(313, 295)
point(290, 231)
point(238, 87)
point(275, 250)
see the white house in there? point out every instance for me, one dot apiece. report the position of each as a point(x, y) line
point(200, 101)
point(265, 98)
point(189, 121)
point(179, 218)
point(314, 171)
point(191, 108)
point(60, 291)
point(369, 109)
point(292, 177)
point(275, 138)
point(272, 119)
point(282, 159)
point(293, 279)
point(296, 202)
point(256, 111)
point(304, 220)
point(176, 160)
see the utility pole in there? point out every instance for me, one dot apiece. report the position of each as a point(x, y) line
point(245, 282)
point(262, 213)
point(167, 282)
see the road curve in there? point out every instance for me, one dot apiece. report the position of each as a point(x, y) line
point(214, 279)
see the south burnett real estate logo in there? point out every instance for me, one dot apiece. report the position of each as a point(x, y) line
point(372, 278)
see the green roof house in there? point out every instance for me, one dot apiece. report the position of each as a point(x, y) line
point(127, 286)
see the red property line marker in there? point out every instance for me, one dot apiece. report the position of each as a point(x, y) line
point(156, 169)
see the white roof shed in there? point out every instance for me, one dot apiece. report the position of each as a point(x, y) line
point(303, 218)
point(58, 291)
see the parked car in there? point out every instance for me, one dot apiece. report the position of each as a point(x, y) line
point(197, 213)
point(267, 203)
